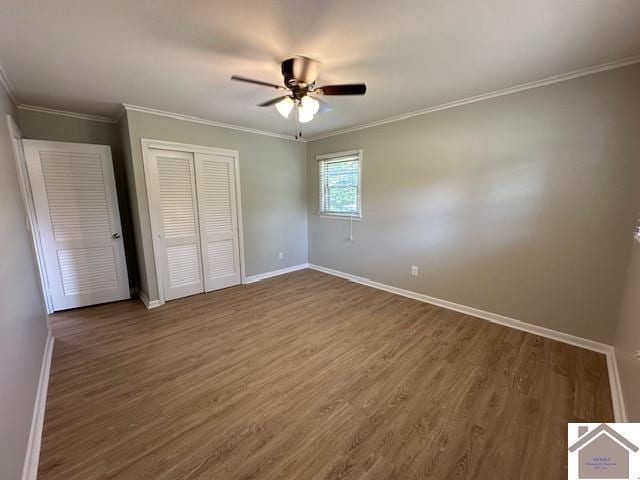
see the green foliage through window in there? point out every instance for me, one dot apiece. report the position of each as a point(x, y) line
point(339, 185)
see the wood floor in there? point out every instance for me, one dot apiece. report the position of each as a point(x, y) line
point(307, 376)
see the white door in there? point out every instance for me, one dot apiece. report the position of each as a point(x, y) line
point(76, 207)
point(180, 234)
point(217, 206)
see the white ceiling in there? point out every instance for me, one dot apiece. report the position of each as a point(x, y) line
point(90, 56)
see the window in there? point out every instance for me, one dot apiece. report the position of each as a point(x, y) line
point(340, 192)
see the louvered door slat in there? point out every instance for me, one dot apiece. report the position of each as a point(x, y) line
point(87, 270)
point(75, 189)
point(221, 259)
point(216, 196)
point(177, 196)
point(184, 265)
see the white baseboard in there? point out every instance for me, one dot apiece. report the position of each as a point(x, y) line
point(32, 456)
point(148, 303)
point(619, 410)
point(608, 350)
point(275, 273)
point(250, 279)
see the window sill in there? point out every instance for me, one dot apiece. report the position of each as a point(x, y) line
point(356, 218)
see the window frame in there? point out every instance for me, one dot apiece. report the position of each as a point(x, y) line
point(337, 215)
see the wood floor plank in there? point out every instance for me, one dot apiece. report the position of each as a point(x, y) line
point(309, 376)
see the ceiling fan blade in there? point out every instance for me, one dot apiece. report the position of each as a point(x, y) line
point(273, 101)
point(257, 82)
point(346, 89)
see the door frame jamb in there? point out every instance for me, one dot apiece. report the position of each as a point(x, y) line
point(31, 220)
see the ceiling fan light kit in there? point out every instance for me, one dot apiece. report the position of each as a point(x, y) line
point(309, 104)
point(300, 74)
point(307, 108)
point(285, 106)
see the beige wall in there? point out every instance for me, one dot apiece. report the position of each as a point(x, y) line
point(272, 184)
point(521, 205)
point(23, 328)
point(60, 128)
point(627, 340)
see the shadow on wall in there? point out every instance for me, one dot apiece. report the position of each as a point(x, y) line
point(514, 235)
point(471, 224)
point(446, 216)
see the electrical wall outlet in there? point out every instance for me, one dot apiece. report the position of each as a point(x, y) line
point(638, 354)
point(280, 255)
point(414, 271)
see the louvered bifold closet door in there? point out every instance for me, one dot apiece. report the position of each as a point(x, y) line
point(78, 221)
point(217, 205)
point(182, 272)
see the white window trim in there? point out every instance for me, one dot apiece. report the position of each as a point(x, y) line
point(341, 216)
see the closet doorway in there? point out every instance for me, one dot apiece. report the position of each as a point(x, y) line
point(194, 208)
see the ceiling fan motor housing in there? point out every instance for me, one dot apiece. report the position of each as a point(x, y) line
point(300, 71)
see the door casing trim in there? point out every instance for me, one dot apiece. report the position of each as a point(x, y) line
point(27, 200)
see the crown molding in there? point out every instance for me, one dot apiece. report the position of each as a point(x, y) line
point(64, 113)
point(7, 87)
point(486, 96)
point(121, 113)
point(396, 118)
point(189, 118)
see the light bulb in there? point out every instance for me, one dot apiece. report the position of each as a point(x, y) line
point(311, 104)
point(284, 106)
point(304, 115)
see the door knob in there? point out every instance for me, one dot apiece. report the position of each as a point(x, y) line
point(115, 235)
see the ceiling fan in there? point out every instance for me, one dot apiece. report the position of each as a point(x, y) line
point(300, 75)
